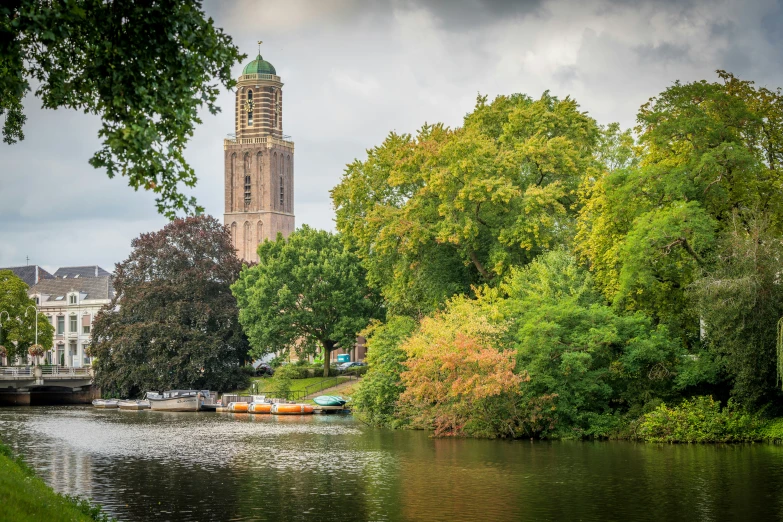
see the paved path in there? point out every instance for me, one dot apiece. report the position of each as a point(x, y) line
point(335, 390)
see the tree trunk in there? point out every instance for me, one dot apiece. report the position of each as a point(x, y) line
point(328, 347)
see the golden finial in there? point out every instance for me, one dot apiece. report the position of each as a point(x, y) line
point(259, 47)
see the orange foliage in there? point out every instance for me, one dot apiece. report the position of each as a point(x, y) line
point(460, 385)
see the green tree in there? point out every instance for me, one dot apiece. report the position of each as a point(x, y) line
point(577, 349)
point(706, 151)
point(739, 299)
point(306, 290)
point(377, 395)
point(173, 322)
point(433, 215)
point(146, 68)
point(17, 329)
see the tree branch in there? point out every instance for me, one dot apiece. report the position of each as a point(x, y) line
point(483, 271)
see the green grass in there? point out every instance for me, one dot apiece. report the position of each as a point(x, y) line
point(269, 384)
point(23, 496)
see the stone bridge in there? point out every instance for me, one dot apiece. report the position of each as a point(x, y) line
point(33, 385)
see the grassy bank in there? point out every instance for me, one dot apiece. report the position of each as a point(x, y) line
point(267, 384)
point(25, 497)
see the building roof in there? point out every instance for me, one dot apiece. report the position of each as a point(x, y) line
point(67, 272)
point(95, 287)
point(259, 66)
point(30, 274)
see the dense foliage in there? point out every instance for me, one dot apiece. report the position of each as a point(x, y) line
point(701, 419)
point(17, 329)
point(146, 68)
point(306, 291)
point(622, 270)
point(377, 397)
point(432, 215)
point(173, 322)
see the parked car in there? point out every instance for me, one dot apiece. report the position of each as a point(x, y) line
point(346, 365)
point(264, 369)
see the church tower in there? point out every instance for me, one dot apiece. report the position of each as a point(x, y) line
point(259, 162)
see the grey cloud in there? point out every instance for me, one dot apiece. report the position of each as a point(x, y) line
point(354, 71)
point(664, 52)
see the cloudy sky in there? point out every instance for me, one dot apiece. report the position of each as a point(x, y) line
point(355, 70)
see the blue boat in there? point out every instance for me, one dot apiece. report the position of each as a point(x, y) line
point(329, 400)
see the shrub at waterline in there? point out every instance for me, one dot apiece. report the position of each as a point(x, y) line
point(700, 419)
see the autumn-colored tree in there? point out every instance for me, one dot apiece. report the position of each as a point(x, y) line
point(173, 322)
point(459, 379)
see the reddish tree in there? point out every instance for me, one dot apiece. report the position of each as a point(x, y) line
point(173, 322)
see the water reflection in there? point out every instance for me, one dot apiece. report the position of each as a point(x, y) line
point(169, 466)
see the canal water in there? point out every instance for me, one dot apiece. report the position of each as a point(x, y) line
point(180, 466)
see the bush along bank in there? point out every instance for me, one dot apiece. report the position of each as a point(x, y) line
point(25, 497)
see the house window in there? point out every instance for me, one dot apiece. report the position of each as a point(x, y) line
point(60, 325)
point(86, 329)
point(73, 328)
point(72, 299)
point(37, 301)
point(87, 360)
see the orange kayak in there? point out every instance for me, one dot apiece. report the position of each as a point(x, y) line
point(237, 407)
point(259, 407)
point(291, 409)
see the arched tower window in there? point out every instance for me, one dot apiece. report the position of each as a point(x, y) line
point(259, 159)
point(276, 109)
point(249, 108)
point(289, 181)
point(260, 230)
point(248, 237)
point(247, 179)
point(272, 173)
point(231, 183)
point(234, 234)
point(282, 186)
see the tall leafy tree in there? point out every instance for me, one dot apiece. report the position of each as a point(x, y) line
point(306, 290)
point(17, 329)
point(706, 151)
point(146, 68)
point(434, 214)
point(173, 322)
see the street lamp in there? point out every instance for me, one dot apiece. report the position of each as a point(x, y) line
point(35, 309)
point(7, 318)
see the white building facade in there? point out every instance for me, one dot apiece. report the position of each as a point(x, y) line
point(71, 304)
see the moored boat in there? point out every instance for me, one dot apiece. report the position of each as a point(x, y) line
point(105, 403)
point(133, 405)
point(329, 400)
point(259, 407)
point(177, 400)
point(237, 407)
point(291, 409)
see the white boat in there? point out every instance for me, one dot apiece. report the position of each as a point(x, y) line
point(105, 403)
point(177, 400)
point(133, 405)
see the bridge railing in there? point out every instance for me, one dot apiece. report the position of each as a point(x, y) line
point(46, 371)
point(16, 370)
point(64, 370)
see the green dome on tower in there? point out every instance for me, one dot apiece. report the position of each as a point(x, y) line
point(259, 66)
